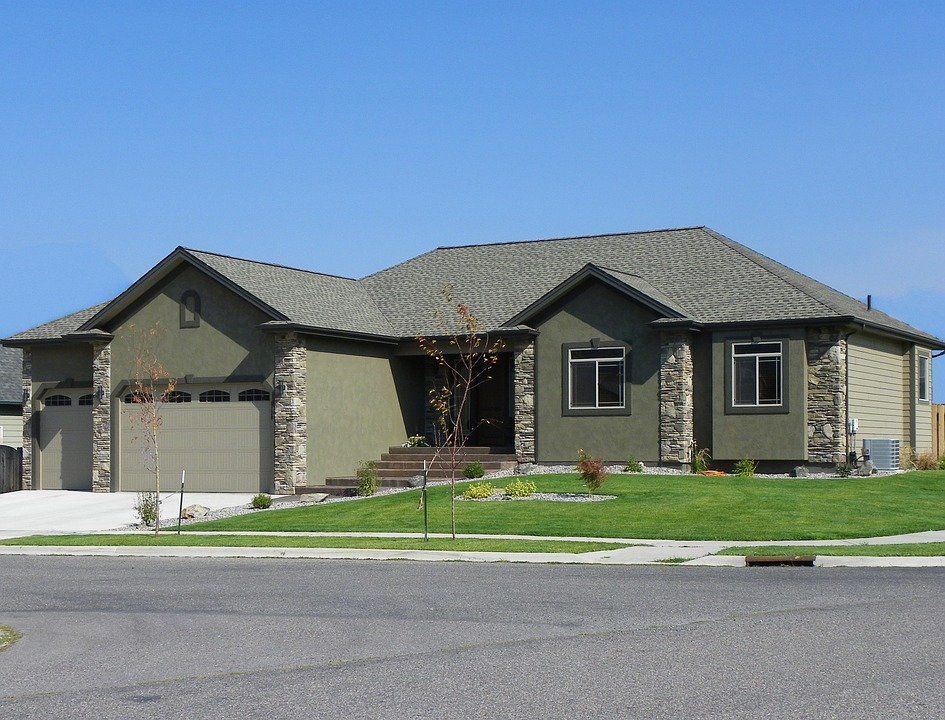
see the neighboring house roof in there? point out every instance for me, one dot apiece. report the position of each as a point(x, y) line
point(11, 374)
point(692, 275)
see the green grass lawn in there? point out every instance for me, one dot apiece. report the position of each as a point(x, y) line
point(649, 506)
point(8, 636)
point(903, 550)
point(173, 540)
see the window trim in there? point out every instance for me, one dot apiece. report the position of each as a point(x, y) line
point(729, 372)
point(184, 322)
point(928, 378)
point(208, 396)
point(46, 400)
point(596, 344)
point(240, 396)
point(86, 399)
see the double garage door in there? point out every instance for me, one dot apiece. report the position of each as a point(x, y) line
point(220, 435)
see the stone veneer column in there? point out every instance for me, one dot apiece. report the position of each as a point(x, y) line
point(290, 423)
point(676, 413)
point(826, 396)
point(27, 481)
point(524, 383)
point(101, 417)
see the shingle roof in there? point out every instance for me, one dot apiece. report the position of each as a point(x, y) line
point(696, 272)
point(11, 373)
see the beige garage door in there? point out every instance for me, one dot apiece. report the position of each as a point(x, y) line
point(221, 435)
point(65, 441)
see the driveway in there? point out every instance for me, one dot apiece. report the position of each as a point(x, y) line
point(34, 512)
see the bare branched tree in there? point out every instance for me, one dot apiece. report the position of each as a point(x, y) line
point(150, 389)
point(464, 360)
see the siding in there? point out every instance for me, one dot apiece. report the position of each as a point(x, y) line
point(877, 388)
point(12, 423)
point(923, 409)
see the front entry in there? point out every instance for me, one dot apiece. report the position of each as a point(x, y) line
point(491, 411)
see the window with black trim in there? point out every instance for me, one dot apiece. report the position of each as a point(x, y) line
point(925, 377)
point(86, 399)
point(190, 309)
point(254, 395)
point(137, 397)
point(757, 374)
point(58, 401)
point(177, 396)
point(596, 378)
point(210, 396)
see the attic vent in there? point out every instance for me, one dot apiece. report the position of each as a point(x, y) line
point(884, 453)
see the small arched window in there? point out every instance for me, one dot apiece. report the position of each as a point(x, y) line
point(58, 401)
point(254, 395)
point(86, 399)
point(190, 309)
point(215, 396)
point(134, 397)
point(177, 396)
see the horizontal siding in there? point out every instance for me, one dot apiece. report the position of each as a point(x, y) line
point(876, 387)
point(12, 429)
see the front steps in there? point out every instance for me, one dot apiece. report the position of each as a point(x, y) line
point(401, 465)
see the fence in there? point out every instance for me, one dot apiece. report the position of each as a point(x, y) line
point(938, 430)
point(11, 468)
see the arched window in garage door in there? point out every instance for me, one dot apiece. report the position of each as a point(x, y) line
point(211, 396)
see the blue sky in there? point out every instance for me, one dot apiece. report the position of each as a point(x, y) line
point(346, 137)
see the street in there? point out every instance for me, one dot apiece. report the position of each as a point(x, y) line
point(216, 638)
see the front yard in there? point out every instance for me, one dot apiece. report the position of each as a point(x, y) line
point(647, 506)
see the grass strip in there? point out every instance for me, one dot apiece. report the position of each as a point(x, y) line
point(901, 550)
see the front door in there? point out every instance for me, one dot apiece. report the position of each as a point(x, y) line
point(491, 410)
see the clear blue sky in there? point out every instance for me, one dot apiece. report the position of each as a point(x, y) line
point(347, 137)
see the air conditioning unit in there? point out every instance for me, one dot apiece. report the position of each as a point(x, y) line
point(884, 453)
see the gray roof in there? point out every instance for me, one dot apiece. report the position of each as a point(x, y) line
point(11, 374)
point(696, 272)
point(55, 329)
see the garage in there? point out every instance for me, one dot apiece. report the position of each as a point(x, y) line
point(220, 434)
point(65, 440)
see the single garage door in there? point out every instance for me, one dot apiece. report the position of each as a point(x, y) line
point(221, 435)
point(65, 441)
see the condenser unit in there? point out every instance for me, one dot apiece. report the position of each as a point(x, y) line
point(884, 453)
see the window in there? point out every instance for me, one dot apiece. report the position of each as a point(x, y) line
point(596, 378)
point(925, 379)
point(177, 396)
point(86, 399)
point(215, 396)
point(254, 395)
point(136, 397)
point(190, 309)
point(757, 374)
point(58, 401)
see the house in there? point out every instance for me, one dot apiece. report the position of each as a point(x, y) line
point(650, 343)
point(11, 397)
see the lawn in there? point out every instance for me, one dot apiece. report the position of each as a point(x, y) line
point(649, 506)
point(172, 540)
point(903, 550)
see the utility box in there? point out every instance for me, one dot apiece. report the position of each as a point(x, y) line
point(884, 453)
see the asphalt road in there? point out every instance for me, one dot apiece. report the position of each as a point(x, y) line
point(173, 638)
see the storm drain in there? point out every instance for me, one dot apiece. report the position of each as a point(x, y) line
point(780, 561)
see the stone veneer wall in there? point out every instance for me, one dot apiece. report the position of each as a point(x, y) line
point(27, 474)
point(826, 396)
point(524, 384)
point(101, 417)
point(676, 404)
point(290, 423)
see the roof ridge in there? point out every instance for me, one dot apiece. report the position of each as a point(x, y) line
point(269, 264)
point(570, 237)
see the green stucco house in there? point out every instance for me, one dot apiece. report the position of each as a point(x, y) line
point(650, 343)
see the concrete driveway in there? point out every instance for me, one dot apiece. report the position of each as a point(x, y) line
point(34, 512)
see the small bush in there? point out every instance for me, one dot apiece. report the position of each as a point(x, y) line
point(146, 508)
point(416, 441)
point(941, 463)
point(844, 470)
point(478, 491)
point(474, 471)
point(367, 478)
point(745, 468)
point(261, 501)
point(633, 465)
point(926, 461)
point(907, 458)
point(702, 461)
point(592, 471)
point(520, 488)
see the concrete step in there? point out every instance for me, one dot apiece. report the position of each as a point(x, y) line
point(353, 481)
point(487, 465)
point(385, 475)
point(472, 449)
point(465, 457)
point(337, 490)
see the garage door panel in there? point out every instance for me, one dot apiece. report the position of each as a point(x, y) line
point(65, 445)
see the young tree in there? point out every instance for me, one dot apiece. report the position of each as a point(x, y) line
point(150, 389)
point(463, 361)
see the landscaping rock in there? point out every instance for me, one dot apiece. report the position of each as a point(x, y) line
point(526, 468)
point(866, 469)
point(801, 472)
point(415, 481)
point(312, 498)
point(194, 511)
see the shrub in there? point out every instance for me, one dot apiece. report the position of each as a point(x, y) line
point(520, 488)
point(926, 461)
point(474, 471)
point(367, 478)
point(416, 441)
point(146, 507)
point(844, 470)
point(702, 461)
point(745, 468)
point(478, 491)
point(592, 471)
point(261, 501)
point(907, 458)
point(633, 465)
point(941, 463)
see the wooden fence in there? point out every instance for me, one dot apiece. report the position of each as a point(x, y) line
point(938, 430)
point(11, 468)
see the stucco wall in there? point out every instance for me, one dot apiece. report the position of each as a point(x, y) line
point(597, 311)
point(878, 388)
point(768, 436)
point(361, 400)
